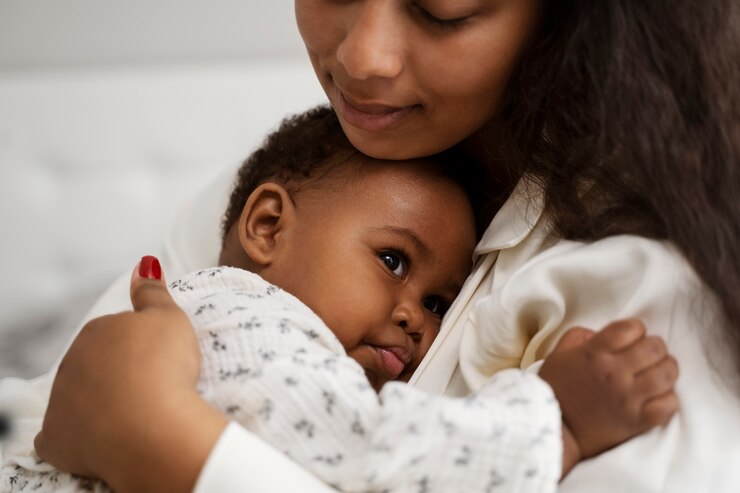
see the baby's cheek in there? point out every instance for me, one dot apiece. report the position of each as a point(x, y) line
point(366, 362)
point(421, 350)
point(426, 343)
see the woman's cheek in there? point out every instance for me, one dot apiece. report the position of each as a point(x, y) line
point(316, 22)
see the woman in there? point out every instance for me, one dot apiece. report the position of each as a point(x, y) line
point(612, 128)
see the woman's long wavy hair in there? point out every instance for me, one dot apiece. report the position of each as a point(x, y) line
point(638, 101)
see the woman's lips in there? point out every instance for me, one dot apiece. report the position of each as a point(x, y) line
point(392, 360)
point(370, 117)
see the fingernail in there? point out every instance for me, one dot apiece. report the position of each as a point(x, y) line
point(149, 268)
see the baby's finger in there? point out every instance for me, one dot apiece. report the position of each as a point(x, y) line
point(148, 287)
point(574, 337)
point(659, 410)
point(658, 379)
point(619, 335)
point(644, 353)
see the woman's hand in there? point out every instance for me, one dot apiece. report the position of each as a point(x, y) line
point(123, 406)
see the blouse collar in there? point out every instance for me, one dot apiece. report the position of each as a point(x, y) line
point(516, 218)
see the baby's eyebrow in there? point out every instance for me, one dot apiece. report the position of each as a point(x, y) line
point(412, 237)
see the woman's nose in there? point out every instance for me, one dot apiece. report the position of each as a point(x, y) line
point(410, 317)
point(373, 45)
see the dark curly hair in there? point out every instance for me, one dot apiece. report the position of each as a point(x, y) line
point(638, 100)
point(313, 142)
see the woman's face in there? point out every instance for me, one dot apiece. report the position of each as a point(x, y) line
point(412, 78)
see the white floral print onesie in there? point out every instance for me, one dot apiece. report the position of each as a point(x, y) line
point(273, 366)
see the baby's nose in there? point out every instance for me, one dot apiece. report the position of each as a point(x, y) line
point(410, 317)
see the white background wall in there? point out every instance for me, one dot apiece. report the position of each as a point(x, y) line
point(112, 113)
point(52, 33)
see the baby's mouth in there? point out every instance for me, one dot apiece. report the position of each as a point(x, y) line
point(393, 360)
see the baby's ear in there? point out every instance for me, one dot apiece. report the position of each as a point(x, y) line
point(267, 213)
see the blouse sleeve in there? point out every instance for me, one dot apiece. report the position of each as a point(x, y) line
point(590, 285)
point(241, 462)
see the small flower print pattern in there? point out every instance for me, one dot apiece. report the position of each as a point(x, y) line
point(271, 364)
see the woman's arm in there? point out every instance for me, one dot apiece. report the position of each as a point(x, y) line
point(124, 408)
point(588, 285)
point(192, 243)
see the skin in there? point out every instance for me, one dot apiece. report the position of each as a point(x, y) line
point(378, 250)
point(412, 78)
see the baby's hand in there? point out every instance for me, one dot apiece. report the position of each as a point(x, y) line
point(611, 385)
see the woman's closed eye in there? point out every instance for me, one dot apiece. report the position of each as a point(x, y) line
point(395, 262)
point(432, 19)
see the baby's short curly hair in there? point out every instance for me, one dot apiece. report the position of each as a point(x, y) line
point(311, 142)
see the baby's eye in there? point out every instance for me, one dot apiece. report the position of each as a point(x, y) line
point(395, 263)
point(435, 305)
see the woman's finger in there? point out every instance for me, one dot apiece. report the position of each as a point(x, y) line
point(148, 286)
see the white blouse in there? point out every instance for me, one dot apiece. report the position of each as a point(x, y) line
point(528, 287)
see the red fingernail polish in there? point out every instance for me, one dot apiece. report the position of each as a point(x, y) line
point(149, 268)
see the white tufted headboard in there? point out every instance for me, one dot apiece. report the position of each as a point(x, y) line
point(93, 165)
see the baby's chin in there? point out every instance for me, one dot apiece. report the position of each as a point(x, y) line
point(406, 375)
point(377, 382)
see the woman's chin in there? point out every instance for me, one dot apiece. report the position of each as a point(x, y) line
point(390, 146)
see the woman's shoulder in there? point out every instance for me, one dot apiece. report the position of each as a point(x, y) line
point(626, 260)
point(563, 283)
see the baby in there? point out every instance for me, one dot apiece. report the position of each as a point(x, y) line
point(336, 270)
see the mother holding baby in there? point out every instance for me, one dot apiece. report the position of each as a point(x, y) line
point(610, 132)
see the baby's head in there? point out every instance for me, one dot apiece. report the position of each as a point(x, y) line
point(378, 249)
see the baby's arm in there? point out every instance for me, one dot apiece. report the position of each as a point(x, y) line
point(611, 385)
point(329, 419)
point(284, 376)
